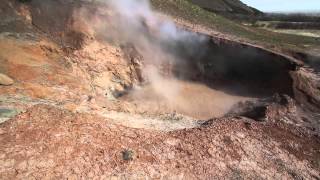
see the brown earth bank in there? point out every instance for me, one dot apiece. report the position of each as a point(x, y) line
point(51, 143)
point(77, 105)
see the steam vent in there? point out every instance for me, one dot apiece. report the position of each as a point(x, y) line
point(157, 89)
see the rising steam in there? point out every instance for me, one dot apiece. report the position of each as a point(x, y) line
point(134, 22)
point(155, 37)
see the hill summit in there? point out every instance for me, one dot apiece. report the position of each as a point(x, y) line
point(226, 7)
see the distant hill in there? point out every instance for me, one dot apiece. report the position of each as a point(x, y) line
point(227, 7)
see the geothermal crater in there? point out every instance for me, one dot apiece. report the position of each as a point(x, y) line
point(191, 73)
point(93, 91)
point(211, 82)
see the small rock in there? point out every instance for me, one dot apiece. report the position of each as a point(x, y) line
point(5, 80)
point(240, 135)
point(127, 155)
point(172, 141)
point(211, 152)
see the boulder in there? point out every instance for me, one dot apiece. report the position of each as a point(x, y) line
point(5, 80)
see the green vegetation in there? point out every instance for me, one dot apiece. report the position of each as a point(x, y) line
point(288, 25)
point(232, 7)
point(185, 10)
point(8, 113)
point(294, 17)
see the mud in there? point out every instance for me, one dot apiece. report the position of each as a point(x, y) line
point(188, 98)
point(208, 82)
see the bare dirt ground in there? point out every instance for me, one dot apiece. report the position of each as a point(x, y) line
point(82, 114)
point(46, 142)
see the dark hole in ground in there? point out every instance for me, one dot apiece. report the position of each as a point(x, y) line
point(236, 68)
point(211, 77)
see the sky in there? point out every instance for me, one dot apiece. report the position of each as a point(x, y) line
point(284, 5)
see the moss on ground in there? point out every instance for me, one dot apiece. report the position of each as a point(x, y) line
point(6, 114)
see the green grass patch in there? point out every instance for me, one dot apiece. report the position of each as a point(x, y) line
point(185, 10)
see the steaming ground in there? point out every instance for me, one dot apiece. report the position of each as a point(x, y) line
point(189, 98)
point(63, 119)
point(157, 41)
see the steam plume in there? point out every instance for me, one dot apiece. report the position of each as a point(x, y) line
point(156, 38)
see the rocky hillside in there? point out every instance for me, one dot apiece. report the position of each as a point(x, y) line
point(226, 6)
